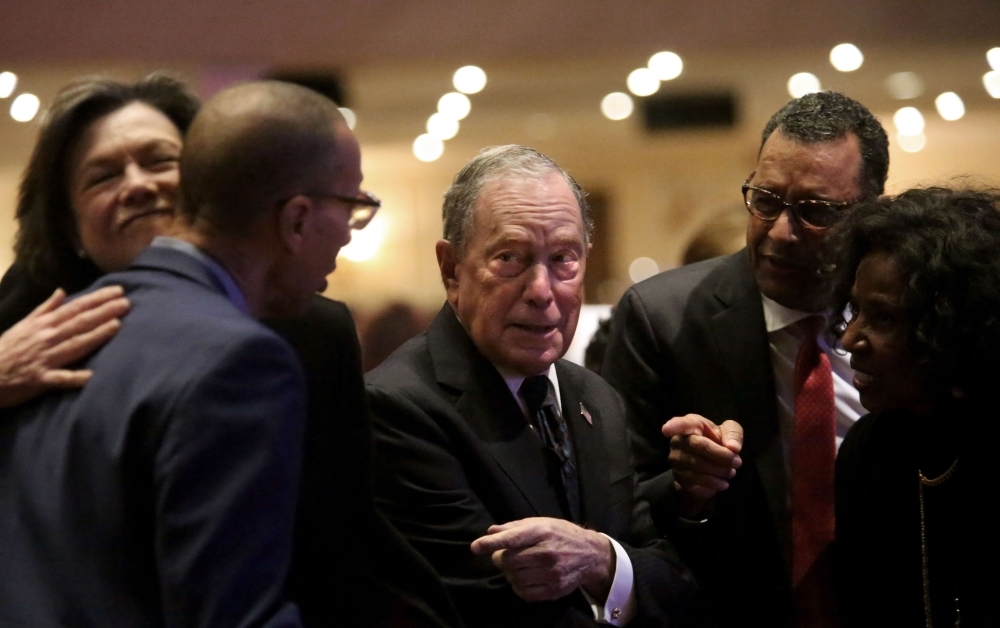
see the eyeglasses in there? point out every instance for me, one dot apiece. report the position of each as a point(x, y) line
point(812, 213)
point(362, 207)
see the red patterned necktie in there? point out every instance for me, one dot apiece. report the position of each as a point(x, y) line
point(813, 453)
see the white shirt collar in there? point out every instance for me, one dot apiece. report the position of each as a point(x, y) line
point(514, 384)
point(777, 316)
point(221, 275)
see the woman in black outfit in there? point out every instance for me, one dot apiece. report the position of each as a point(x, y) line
point(920, 273)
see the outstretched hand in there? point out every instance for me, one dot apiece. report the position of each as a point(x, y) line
point(704, 458)
point(545, 558)
point(56, 333)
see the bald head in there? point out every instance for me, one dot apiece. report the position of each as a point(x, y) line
point(251, 147)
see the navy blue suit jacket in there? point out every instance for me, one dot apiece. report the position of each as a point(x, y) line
point(163, 492)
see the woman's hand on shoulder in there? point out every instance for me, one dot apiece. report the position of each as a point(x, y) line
point(34, 351)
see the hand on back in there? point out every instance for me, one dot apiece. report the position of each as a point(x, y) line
point(34, 351)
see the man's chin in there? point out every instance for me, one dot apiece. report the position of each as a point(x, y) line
point(528, 362)
point(799, 290)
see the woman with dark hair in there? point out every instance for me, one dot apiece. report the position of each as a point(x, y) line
point(920, 274)
point(101, 183)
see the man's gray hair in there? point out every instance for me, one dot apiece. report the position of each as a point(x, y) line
point(492, 163)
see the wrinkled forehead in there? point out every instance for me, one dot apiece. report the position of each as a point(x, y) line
point(542, 200)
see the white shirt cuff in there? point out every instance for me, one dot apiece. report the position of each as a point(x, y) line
point(620, 607)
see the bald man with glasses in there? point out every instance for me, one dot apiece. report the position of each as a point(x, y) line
point(737, 398)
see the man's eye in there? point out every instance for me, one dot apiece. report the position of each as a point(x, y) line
point(767, 203)
point(818, 214)
point(507, 264)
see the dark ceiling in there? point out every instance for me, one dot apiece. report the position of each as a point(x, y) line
point(353, 32)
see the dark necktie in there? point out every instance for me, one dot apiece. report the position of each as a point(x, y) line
point(540, 397)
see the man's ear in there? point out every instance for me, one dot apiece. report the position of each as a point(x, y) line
point(447, 263)
point(293, 220)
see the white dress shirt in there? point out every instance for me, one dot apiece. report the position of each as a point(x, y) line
point(620, 607)
point(784, 338)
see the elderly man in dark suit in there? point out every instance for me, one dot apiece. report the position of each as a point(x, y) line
point(505, 466)
point(164, 492)
point(736, 349)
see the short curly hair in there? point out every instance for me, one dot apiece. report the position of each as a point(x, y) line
point(46, 239)
point(829, 116)
point(945, 242)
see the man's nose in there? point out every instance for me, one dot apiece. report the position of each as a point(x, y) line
point(539, 288)
point(785, 227)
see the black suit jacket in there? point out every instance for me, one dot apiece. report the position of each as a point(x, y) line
point(454, 455)
point(693, 340)
point(350, 566)
point(163, 492)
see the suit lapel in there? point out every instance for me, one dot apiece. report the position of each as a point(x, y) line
point(489, 409)
point(591, 464)
point(741, 337)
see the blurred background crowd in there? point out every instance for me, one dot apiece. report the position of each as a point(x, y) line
point(655, 108)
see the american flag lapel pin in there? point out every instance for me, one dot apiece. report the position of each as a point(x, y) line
point(586, 415)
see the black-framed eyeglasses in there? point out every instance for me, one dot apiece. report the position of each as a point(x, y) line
point(811, 213)
point(362, 207)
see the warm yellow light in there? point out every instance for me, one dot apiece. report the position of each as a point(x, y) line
point(912, 143)
point(909, 121)
point(642, 82)
point(349, 117)
point(846, 57)
point(904, 85)
point(24, 107)
point(365, 244)
point(469, 79)
point(950, 106)
point(666, 65)
point(803, 83)
point(442, 127)
point(616, 106)
point(428, 148)
point(991, 81)
point(642, 268)
point(8, 81)
point(993, 58)
point(454, 105)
